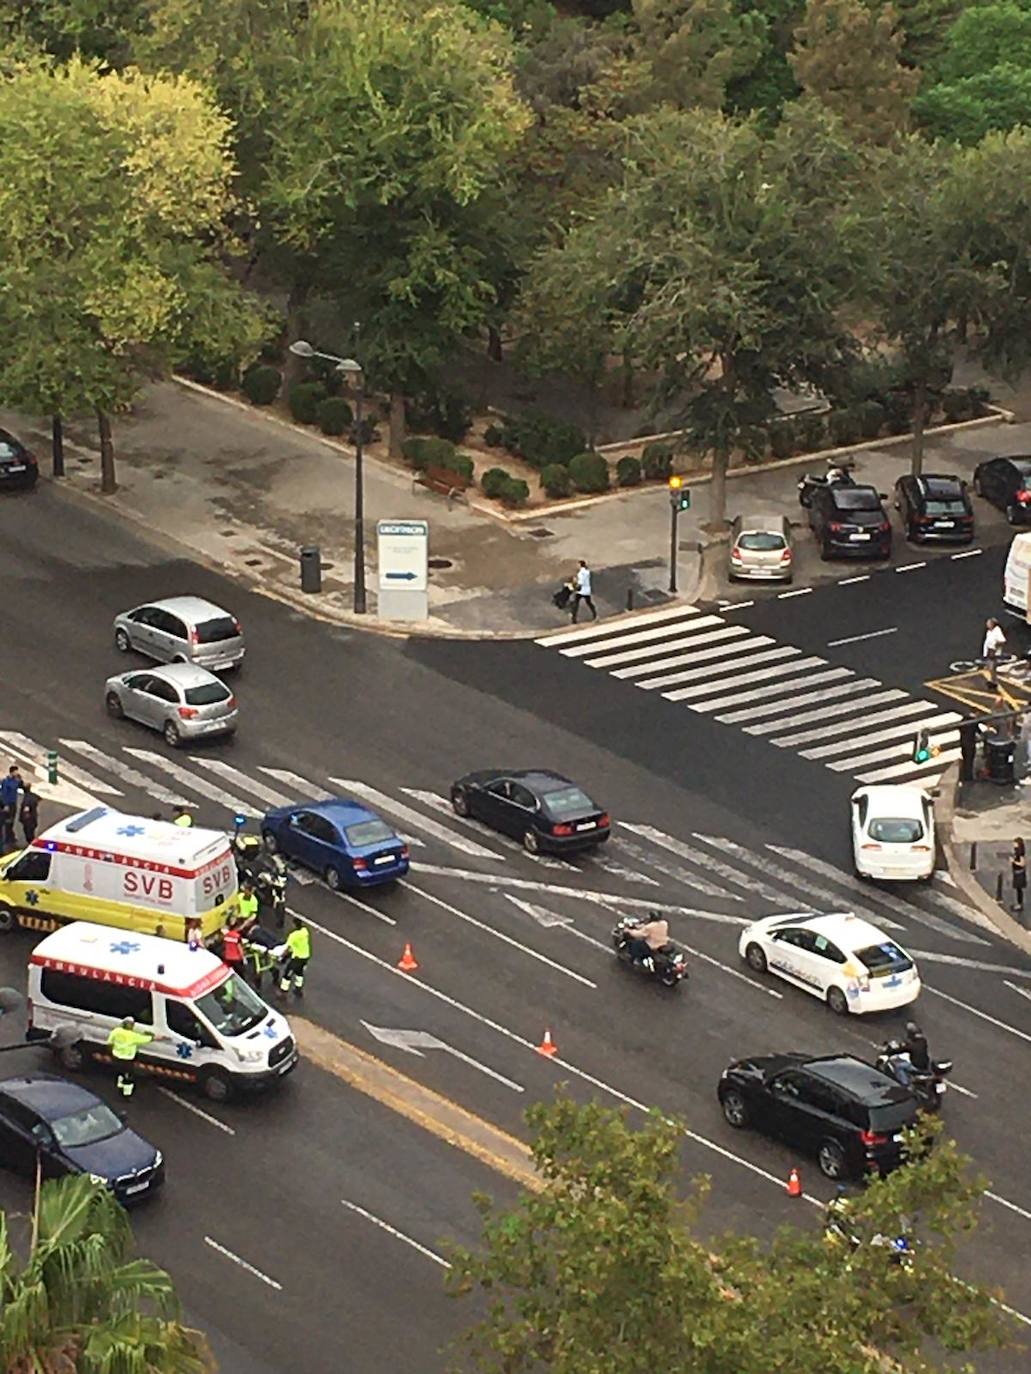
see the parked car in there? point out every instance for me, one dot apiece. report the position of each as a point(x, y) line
point(544, 810)
point(760, 548)
point(893, 832)
point(71, 1130)
point(342, 840)
point(1006, 483)
point(181, 701)
point(935, 507)
point(838, 1108)
point(18, 468)
point(182, 629)
point(850, 522)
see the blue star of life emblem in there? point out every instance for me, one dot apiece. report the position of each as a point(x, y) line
point(184, 1050)
point(270, 1031)
point(131, 830)
point(32, 898)
point(124, 947)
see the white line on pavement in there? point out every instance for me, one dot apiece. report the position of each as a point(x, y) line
point(438, 803)
point(678, 874)
point(967, 553)
point(790, 704)
point(306, 791)
point(617, 627)
point(197, 1111)
point(233, 775)
point(797, 665)
point(124, 771)
point(689, 644)
point(194, 783)
point(414, 818)
point(730, 641)
point(739, 605)
point(801, 591)
point(976, 1011)
point(855, 639)
point(1013, 987)
point(243, 1264)
point(363, 906)
point(36, 755)
point(910, 567)
point(498, 934)
point(398, 1235)
point(772, 689)
point(979, 964)
point(851, 581)
point(1005, 1202)
point(721, 669)
point(686, 851)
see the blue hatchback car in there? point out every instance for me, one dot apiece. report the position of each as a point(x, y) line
point(342, 840)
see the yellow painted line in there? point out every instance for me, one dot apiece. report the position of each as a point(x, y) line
point(433, 1112)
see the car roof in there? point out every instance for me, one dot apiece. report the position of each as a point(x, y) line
point(859, 1080)
point(48, 1094)
point(341, 810)
point(541, 778)
point(939, 484)
point(189, 607)
point(1021, 461)
point(843, 928)
point(184, 674)
point(762, 520)
point(896, 799)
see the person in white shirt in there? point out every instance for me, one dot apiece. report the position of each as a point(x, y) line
point(583, 591)
point(994, 640)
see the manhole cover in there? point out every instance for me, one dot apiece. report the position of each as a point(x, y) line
point(254, 562)
point(327, 567)
point(227, 532)
point(440, 563)
point(541, 534)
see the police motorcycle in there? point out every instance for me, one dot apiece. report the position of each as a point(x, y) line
point(838, 474)
point(839, 1227)
point(926, 1085)
point(668, 965)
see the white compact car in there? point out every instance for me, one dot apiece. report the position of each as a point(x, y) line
point(893, 833)
point(840, 958)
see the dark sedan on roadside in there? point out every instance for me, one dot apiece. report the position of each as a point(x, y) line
point(1006, 483)
point(935, 507)
point(71, 1130)
point(849, 522)
point(543, 810)
point(18, 468)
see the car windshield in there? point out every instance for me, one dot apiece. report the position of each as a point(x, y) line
point(211, 631)
point(885, 958)
point(855, 498)
point(86, 1127)
point(369, 832)
point(761, 541)
point(207, 694)
point(952, 507)
point(561, 803)
point(896, 830)
point(232, 1008)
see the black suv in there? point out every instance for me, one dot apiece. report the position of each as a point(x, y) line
point(845, 1112)
point(1006, 482)
point(935, 507)
point(850, 521)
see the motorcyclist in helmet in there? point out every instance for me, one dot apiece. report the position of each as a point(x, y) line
point(916, 1048)
point(648, 939)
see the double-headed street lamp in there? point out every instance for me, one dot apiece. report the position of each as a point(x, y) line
point(350, 368)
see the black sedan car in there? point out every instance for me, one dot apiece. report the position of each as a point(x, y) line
point(18, 468)
point(544, 810)
point(1006, 483)
point(849, 522)
point(840, 1109)
point(935, 508)
point(72, 1131)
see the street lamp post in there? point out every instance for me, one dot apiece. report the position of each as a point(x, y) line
point(302, 349)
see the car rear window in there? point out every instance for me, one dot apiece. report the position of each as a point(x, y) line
point(956, 507)
point(884, 959)
point(7, 452)
point(368, 832)
point(901, 830)
point(892, 1116)
point(761, 541)
point(207, 694)
point(562, 802)
point(847, 498)
point(214, 631)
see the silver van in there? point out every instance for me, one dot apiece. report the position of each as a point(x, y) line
point(182, 629)
point(760, 548)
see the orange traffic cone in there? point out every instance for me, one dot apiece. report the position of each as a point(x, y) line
point(547, 1046)
point(407, 963)
point(794, 1184)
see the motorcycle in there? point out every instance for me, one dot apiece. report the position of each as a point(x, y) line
point(927, 1085)
point(836, 476)
point(837, 1225)
point(270, 885)
point(668, 964)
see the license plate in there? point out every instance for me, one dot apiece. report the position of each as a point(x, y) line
point(384, 859)
point(945, 524)
point(285, 1068)
point(16, 467)
point(855, 537)
point(137, 1188)
point(587, 825)
point(939, 1088)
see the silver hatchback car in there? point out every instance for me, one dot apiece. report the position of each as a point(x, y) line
point(760, 547)
point(182, 629)
point(182, 701)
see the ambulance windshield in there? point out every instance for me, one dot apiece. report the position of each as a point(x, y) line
point(232, 1008)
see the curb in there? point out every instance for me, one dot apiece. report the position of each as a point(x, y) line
point(1003, 923)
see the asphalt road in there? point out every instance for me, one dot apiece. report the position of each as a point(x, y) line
point(716, 824)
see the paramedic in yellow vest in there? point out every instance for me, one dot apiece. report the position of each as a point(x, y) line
point(182, 817)
point(125, 1040)
point(298, 952)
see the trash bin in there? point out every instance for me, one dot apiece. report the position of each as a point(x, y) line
point(999, 751)
point(311, 569)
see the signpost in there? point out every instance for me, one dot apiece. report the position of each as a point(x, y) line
point(403, 553)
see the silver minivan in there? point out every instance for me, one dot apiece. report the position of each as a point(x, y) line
point(760, 548)
point(182, 629)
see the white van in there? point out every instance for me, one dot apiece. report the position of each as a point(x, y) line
point(1016, 577)
point(209, 1027)
point(125, 871)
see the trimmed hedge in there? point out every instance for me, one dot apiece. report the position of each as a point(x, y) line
point(810, 427)
point(628, 471)
point(556, 481)
point(845, 427)
point(899, 408)
point(493, 482)
point(459, 463)
point(515, 492)
point(304, 400)
point(443, 413)
point(964, 403)
point(423, 451)
point(657, 460)
point(334, 415)
point(589, 472)
point(261, 384)
point(784, 436)
point(872, 416)
point(541, 440)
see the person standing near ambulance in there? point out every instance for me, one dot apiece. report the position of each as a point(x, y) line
point(298, 953)
point(125, 1040)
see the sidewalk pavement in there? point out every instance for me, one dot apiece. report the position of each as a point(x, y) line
point(979, 821)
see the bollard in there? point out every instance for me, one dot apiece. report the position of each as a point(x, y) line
point(973, 857)
point(311, 569)
point(630, 598)
point(51, 766)
point(998, 887)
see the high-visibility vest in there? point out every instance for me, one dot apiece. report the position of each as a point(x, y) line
point(184, 819)
point(248, 906)
point(298, 942)
point(125, 1042)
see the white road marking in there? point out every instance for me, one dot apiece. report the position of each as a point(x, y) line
point(418, 1042)
point(197, 1111)
point(35, 755)
point(859, 722)
point(233, 775)
point(398, 1235)
point(802, 591)
point(362, 906)
point(705, 861)
point(123, 770)
point(664, 644)
point(1013, 987)
point(621, 640)
point(773, 689)
point(976, 1011)
point(243, 1264)
point(728, 671)
point(727, 651)
point(918, 770)
point(981, 965)
point(540, 914)
point(639, 657)
point(739, 605)
point(778, 708)
point(800, 665)
point(414, 818)
point(306, 791)
point(910, 567)
point(441, 804)
point(894, 751)
point(498, 934)
point(607, 628)
point(851, 581)
point(193, 783)
point(597, 859)
point(967, 553)
point(1005, 1202)
point(678, 874)
point(829, 712)
point(855, 639)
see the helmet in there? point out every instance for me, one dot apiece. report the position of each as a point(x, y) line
point(912, 1029)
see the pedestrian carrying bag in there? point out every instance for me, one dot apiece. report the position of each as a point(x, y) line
point(562, 597)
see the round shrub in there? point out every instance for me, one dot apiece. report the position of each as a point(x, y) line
point(304, 400)
point(899, 407)
point(810, 428)
point(515, 492)
point(783, 436)
point(334, 415)
point(458, 463)
point(871, 419)
point(326, 372)
point(844, 427)
point(541, 440)
point(493, 482)
point(413, 450)
point(628, 471)
point(958, 404)
point(261, 384)
point(494, 437)
point(589, 472)
point(657, 460)
point(555, 480)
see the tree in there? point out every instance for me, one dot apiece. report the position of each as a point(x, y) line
point(600, 1268)
point(114, 189)
point(103, 29)
point(392, 124)
point(847, 57)
point(983, 75)
point(697, 47)
point(80, 1303)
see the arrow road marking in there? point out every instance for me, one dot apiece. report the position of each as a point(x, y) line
point(416, 1042)
point(543, 917)
point(398, 1235)
point(124, 771)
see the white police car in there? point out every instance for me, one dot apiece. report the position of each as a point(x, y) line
point(845, 961)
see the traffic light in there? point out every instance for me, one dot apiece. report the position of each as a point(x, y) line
point(679, 495)
point(923, 749)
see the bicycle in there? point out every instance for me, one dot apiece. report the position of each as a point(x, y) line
point(1006, 661)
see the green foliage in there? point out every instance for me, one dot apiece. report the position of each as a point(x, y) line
point(493, 481)
point(812, 430)
point(541, 440)
point(784, 437)
point(304, 399)
point(458, 463)
point(845, 426)
point(494, 436)
point(628, 471)
point(443, 413)
point(261, 383)
point(555, 480)
point(423, 452)
point(966, 111)
point(589, 472)
point(898, 406)
point(695, 49)
point(514, 492)
point(657, 460)
point(872, 415)
point(335, 415)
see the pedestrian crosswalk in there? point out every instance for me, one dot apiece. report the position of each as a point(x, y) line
point(708, 876)
point(794, 700)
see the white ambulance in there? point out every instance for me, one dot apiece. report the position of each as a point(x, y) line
point(1016, 577)
point(210, 1028)
point(124, 871)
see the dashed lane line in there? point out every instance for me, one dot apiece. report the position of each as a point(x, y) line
point(197, 1111)
point(398, 1235)
point(229, 1255)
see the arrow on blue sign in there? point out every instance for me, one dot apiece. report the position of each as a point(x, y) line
point(401, 577)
